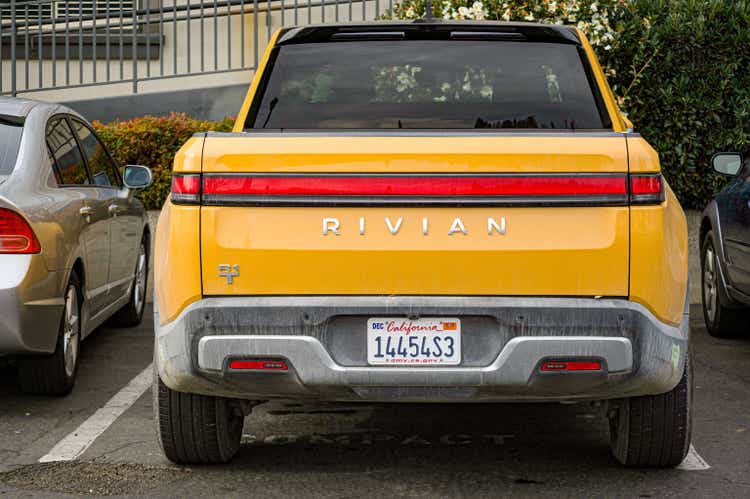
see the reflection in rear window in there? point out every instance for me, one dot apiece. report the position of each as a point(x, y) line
point(422, 84)
point(10, 140)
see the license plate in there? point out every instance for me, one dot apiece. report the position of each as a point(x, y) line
point(426, 341)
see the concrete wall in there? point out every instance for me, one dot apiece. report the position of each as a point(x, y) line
point(234, 50)
point(213, 103)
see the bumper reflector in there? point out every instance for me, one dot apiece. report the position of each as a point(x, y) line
point(259, 365)
point(571, 365)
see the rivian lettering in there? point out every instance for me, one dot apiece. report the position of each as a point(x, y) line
point(495, 225)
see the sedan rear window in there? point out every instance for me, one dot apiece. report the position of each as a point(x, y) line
point(10, 140)
point(427, 84)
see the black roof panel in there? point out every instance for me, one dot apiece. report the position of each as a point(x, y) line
point(429, 29)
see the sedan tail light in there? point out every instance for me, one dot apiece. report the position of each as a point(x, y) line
point(16, 235)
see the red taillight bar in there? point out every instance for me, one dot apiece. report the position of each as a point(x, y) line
point(571, 365)
point(16, 235)
point(186, 188)
point(414, 185)
point(414, 189)
point(259, 365)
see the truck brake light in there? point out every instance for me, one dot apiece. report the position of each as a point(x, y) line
point(587, 189)
point(16, 235)
point(186, 188)
point(414, 185)
point(646, 189)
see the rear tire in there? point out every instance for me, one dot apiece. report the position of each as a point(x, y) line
point(132, 313)
point(55, 374)
point(654, 431)
point(196, 429)
point(721, 320)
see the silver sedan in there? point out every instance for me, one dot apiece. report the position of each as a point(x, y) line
point(74, 241)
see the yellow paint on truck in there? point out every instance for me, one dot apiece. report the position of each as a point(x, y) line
point(635, 251)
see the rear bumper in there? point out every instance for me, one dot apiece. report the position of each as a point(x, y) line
point(504, 342)
point(31, 305)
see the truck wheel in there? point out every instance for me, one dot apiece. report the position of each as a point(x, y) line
point(132, 313)
point(721, 321)
point(654, 431)
point(55, 374)
point(196, 429)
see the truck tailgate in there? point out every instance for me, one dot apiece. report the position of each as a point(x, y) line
point(285, 216)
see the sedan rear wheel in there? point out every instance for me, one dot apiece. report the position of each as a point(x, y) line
point(132, 313)
point(55, 374)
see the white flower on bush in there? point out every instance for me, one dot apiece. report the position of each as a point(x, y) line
point(591, 17)
point(478, 11)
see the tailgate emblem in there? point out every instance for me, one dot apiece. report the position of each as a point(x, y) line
point(229, 271)
point(332, 225)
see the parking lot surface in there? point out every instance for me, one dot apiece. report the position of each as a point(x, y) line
point(297, 449)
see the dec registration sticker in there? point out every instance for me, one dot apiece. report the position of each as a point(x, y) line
point(406, 342)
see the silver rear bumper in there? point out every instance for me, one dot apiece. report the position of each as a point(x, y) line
point(321, 339)
point(31, 305)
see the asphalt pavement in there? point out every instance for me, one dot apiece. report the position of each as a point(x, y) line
point(293, 449)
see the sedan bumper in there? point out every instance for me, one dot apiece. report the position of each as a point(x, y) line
point(504, 343)
point(31, 305)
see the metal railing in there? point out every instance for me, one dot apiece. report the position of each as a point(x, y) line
point(54, 45)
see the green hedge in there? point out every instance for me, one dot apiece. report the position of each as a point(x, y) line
point(681, 70)
point(153, 142)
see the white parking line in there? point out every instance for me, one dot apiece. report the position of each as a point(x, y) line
point(76, 443)
point(693, 461)
point(82, 437)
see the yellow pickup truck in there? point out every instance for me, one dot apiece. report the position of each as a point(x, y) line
point(423, 212)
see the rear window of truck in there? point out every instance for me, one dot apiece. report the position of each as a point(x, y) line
point(427, 84)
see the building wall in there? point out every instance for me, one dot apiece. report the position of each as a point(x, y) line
point(221, 40)
point(211, 103)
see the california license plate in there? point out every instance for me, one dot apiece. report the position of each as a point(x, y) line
point(426, 341)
